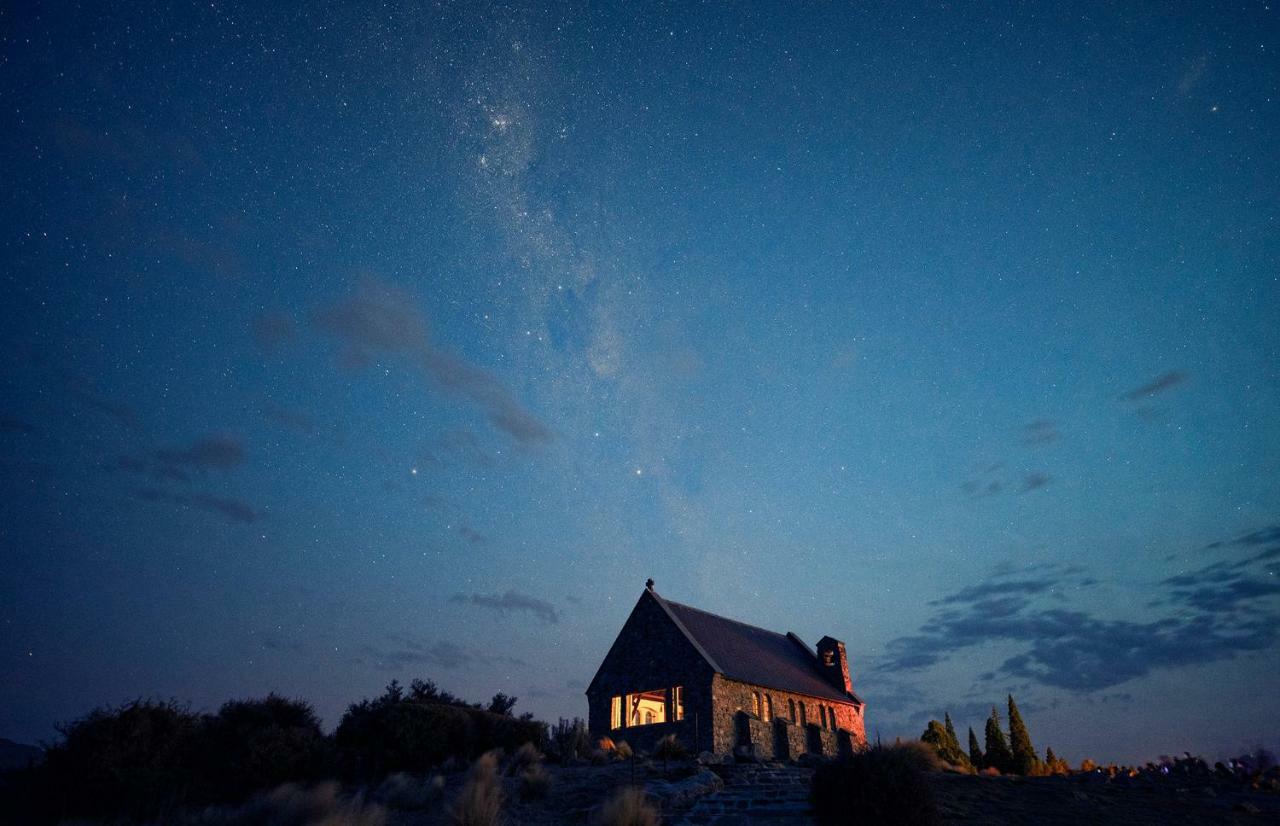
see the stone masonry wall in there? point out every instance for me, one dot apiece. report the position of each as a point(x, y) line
point(731, 697)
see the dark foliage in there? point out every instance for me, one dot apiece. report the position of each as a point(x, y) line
point(1024, 758)
point(942, 737)
point(255, 744)
point(998, 754)
point(139, 760)
point(570, 740)
point(413, 733)
point(502, 704)
point(882, 785)
point(976, 756)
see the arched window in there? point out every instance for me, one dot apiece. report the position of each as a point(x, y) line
point(648, 718)
point(768, 707)
point(791, 709)
point(804, 714)
point(755, 703)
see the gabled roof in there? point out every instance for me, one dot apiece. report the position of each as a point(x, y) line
point(753, 655)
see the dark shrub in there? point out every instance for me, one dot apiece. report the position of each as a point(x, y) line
point(882, 785)
point(137, 761)
point(570, 740)
point(378, 737)
point(251, 745)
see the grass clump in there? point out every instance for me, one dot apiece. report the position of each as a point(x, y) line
point(883, 785)
point(535, 782)
point(628, 807)
point(409, 791)
point(480, 801)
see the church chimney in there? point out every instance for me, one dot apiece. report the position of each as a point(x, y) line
point(835, 663)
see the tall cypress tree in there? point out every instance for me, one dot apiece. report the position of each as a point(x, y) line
point(975, 751)
point(1024, 754)
point(998, 754)
point(953, 742)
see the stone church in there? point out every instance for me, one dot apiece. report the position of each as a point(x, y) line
point(723, 686)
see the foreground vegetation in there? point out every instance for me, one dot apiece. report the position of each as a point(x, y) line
point(149, 760)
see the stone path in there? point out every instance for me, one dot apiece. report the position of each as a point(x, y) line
point(763, 794)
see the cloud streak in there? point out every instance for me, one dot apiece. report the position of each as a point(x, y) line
point(1161, 383)
point(511, 601)
point(379, 318)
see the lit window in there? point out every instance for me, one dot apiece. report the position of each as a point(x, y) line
point(677, 702)
point(615, 713)
point(755, 703)
point(647, 707)
point(768, 707)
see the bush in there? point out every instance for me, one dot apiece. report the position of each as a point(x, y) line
point(255, 744)
point(628, 807)
point(480, 801)
point(378, 737)
point(622, 751)
point(138, 761)
point(883, 785)
point(570, 740)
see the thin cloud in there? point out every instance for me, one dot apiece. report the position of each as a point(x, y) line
point(1161, 383)
point(1035, 481)
point(511, 601)
point(405, 653)
point(232, 509)
point(1040, 432)
point(212, 452)
point(379, 318)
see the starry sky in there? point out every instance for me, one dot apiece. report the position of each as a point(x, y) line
point(349, 342)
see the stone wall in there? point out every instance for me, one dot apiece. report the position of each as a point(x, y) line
point(731, 697)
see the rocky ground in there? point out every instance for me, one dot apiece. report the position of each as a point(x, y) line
point(690, 793)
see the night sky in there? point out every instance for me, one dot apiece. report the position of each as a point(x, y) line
point(342, 343)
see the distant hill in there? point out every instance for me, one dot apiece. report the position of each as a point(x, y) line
point(18, 755)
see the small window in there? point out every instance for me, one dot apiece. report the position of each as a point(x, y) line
point(804, 714)
point(822, 715)
point(768, 707)
point(755, 704)
point(677, 702)
point(831, 713)
point(615, 713)
point(791, 709)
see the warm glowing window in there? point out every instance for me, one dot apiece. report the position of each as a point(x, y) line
point(768, 707)
point(755, 704)
point(642, 708)
point(677, 702)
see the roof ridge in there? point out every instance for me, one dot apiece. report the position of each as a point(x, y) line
point(726, 619)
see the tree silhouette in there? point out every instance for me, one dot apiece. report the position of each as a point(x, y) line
point(998, 754)
point(975, 751)
point(1023, 753)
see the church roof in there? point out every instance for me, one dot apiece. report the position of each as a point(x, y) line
point(753, 655)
